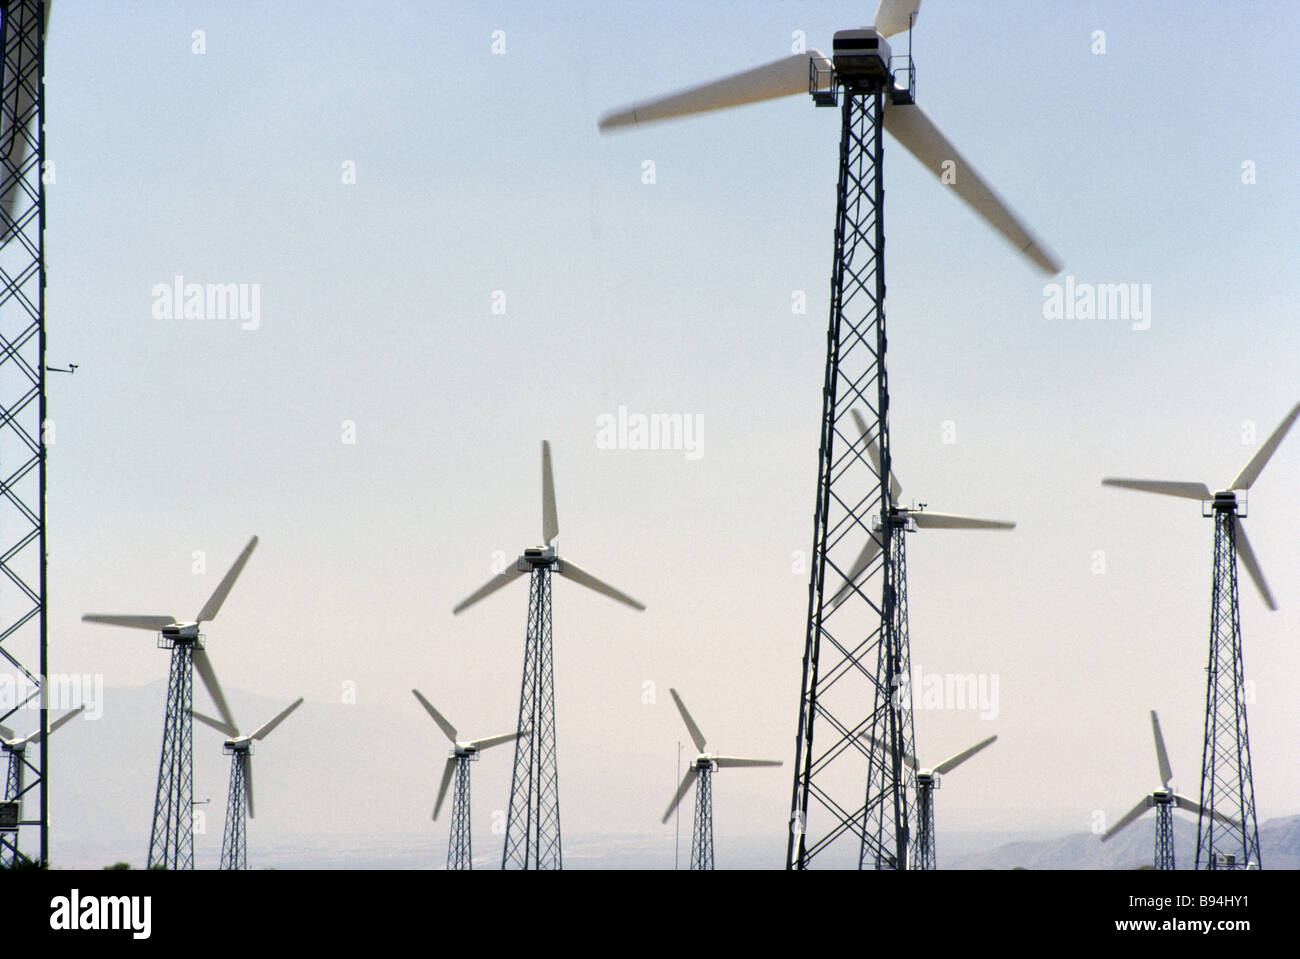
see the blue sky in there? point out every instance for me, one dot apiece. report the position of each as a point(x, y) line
point(478, 173)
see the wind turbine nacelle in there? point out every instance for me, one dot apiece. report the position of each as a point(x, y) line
point(181, 631)
point(535, 556)
point(861, 53)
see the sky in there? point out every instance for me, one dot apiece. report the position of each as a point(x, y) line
point(452, 264)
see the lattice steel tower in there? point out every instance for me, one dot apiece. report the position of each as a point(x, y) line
point(171, 837)
point(702, 833)
point(24, 824)
point(533, 821)
point(464, 752)
point(239, 799)
point(851, 652)
point(1227, 788)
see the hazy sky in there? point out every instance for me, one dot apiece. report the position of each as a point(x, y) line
point(481, 174)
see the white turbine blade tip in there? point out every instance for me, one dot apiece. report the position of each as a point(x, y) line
point(550, 522)
point(447, 728)
point(492, 585)
point(571, 570)
point(1250, 472)
point(697, 736)
point(154, 623)
point(1247, 554)
point(265, 729)
point(213, 605)
point(1162, 756)
point(1196, 491)
point(781, 78)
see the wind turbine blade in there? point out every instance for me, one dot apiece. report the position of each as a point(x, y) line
point(1197, 491)
point(869, 552)
point(481, 744)
point(213, 605)
point(687, 780)
point(155, 623)
point(1248, 560)
point(929, 520)
point(246, 759)
point(1182, 802)
point(908, 758)
point(895, 16)
point(781, 78)
point(216, 724)
point(32, 737)
point(697, 737)
point(1250, 472)
point(917, 133)
point(731, 762)
point(209, 677)
point(265, 729)
point(950, 764)
point(447, 770)
point(571, 570)
point(495, 583)
point(65, 719)
point(447, 728)
point(895, 487)
point(1146, 803)
point(1162, 757)
point(550, 522)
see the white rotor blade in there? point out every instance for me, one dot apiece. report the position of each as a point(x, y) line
point(1248, 560)
point(1182, 802)
point(481, 744)
point(895, 16)
point(155, 623)
point(869, 552)
point(917, 133)
point(550, 522)
point(571, 570)
point(950, 764)
point(781, 78)
point(447, 728)
point(216, 724)
point(681, 791)
point(697, 737)
point(1146, 803)
point(1162, 757)
point(213, 605)
point(1185, 490)
point(895, 487)
point(1250, 472)
point(246, 758)
point(32, 737)
point(926, 519)
point(731, 762)
point(495, 583)
point(908, 758)
point(447, 770)
point(265, 729)
point(209, 677)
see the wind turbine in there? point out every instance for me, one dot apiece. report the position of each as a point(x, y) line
point(171, 840)
point(15, 747)
point(1227, 786)
point(239, 747)
point(893, 739)
point(874, 97)
point(927, 781)
point(533, 822)
point(700, 772)
point(463, 753)
point(1163, 800)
